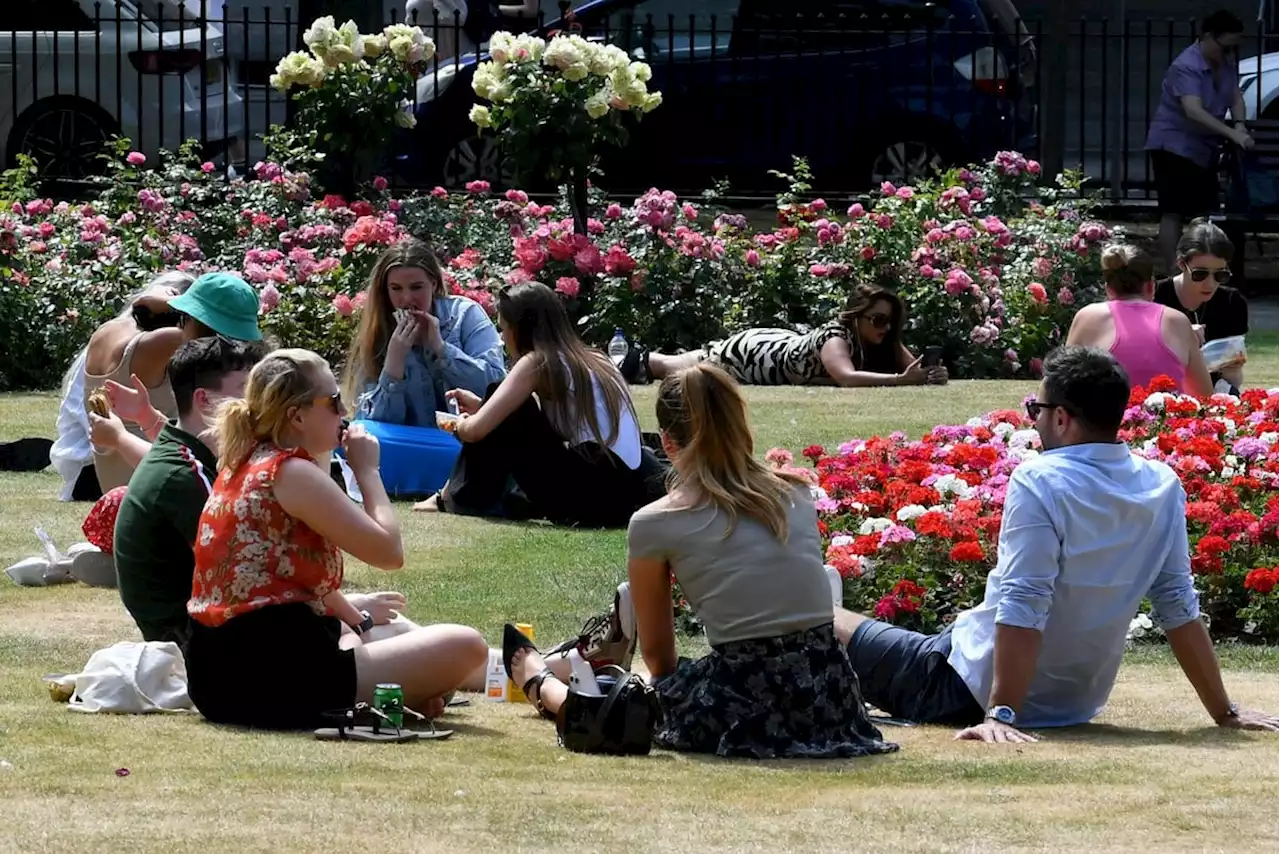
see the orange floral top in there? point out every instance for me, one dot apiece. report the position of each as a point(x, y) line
point(250, 553)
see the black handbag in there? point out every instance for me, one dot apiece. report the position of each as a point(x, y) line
point(619, 723)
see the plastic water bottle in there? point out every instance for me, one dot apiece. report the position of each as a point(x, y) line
point(618, 346)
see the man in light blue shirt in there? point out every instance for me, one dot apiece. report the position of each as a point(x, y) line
point(1088, 531)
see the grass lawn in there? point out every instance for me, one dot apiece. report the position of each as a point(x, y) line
point(1151, 774)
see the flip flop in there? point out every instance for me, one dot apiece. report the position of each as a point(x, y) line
point(350, 725)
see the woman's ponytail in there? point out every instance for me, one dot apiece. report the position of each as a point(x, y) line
point(237, 435)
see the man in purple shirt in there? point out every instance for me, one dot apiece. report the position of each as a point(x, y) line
point(1188, 128)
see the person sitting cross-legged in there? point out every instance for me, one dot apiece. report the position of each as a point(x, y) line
point(1088, 531)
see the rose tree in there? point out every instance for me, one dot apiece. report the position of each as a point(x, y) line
point(553, 104)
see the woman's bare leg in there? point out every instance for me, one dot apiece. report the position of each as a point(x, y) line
point(660, 364)
point(427, 663)
point(527, 664)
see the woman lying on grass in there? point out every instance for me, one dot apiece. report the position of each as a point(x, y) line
point(269, 548)
point(743, 542)
point(860, 346)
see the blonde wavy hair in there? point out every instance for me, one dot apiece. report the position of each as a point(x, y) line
point(280, 383)
point(701, 409)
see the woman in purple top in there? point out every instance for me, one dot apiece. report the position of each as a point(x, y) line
point(1188, 128)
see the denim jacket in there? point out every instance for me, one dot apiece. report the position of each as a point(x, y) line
point(473, 358)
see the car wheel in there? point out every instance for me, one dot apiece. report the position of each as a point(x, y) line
point(66, 136)
point(906, 162)
point(477, 158)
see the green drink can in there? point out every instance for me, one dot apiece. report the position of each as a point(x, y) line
point(388, 698)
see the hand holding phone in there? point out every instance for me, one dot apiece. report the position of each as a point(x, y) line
point(932, 356)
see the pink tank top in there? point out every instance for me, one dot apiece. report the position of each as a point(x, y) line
point(1139, 346)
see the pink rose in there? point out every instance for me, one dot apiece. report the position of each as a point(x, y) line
point(379, 183)
point(887, 189)
point(617, 262)
point(856, 210)
point(818, 205)
point(567, 286)
point(614, 211)
point(1065, 297)
point(905, 193)
point(520, 197)
point(1010, 355)
point(928, 272)
point(439, 193)
point(689, 211)
point(1043, 267)
point(206, 167)
point(518, 276)
point(752, 258)
point(868, 252)
point(343, 305)
point(477, 186)
point(595, 226)
point(268, 299)
point(884, 221)
point(136, 158)
point(1037, 366)
point(1038, 293)
point(1033, 167)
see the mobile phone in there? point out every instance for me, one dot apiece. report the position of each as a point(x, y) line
point(932, 356)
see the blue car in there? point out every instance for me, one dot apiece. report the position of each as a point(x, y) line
point(868, 91)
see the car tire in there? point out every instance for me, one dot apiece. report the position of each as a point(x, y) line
point(907, 159)
point(67, 137)
point(476, 158)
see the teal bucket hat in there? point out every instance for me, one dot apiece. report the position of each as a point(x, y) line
point(225, 303)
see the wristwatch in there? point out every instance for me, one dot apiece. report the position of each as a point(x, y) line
point(1004, 714)
point(1233, 711)
point(364, 625)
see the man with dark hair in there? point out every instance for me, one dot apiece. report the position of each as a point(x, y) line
point(1089, 530)
point(156, 527)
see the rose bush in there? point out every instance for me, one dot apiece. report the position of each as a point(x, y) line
point(912, 525)
point(986, 246)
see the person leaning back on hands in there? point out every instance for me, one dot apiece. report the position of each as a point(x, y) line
point(1089, 530)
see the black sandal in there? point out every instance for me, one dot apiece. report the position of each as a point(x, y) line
point(513, 641)
point(363, 722)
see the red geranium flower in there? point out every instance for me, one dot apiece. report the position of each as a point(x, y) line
point(1262, 580)
point(968, 551)
point(1212, 545)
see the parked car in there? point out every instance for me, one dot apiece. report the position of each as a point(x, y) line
point(1260, 84)
point(74, 73)
point(864, 97)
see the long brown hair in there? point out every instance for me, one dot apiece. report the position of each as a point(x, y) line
point(874, 356)
point(283, 380)
point(702, 410)
point(566, 366)
point(377, 318)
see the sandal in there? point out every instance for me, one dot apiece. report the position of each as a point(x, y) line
point(513, 641)
point(365, 723)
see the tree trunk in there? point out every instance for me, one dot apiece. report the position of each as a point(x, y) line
point(578, 200)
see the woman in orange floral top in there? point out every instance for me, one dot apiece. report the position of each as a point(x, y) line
point(269, 548)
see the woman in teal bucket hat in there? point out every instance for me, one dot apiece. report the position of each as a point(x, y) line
point(214, 304)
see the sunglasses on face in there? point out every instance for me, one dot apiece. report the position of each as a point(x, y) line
point(1199, 274)
point(879, 321)
point(334, 402)
point(1035, 407)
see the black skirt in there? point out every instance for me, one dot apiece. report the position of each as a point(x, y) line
point(789, 696)
point(278, 667)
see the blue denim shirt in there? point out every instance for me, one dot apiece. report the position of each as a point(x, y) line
point(473, 358)
point(1088, 531)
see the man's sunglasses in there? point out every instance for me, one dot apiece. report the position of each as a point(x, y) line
point(1199, 274)
point(1035, 407)
point(880, 321)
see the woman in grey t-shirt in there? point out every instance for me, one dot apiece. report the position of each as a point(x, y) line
point(742, 540)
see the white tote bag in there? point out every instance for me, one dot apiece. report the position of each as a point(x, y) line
point(133, 678)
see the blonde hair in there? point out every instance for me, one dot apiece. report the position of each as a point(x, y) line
point(702, 410)
point(282, 381)
point(1126, 269)
point(377, 318)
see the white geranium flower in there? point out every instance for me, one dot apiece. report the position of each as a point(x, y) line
point(1024, 439)
point(911, 511)
point(1269, 437)
point(1003, 429)
point(974, 422)
point(1139, 626)
point(951, 485)
point(874, 525)
point(1156, 402)
point(841, 540)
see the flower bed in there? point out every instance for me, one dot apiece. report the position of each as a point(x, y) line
point(990, 264)
point(912, 526)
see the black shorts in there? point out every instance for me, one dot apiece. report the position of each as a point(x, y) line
point(1183, 186)
point(906, 674)
point(277, 668)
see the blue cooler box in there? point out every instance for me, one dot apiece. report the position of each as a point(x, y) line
point(415, 461)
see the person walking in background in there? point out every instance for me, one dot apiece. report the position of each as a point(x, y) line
point(1188, 129)
point(1147, 339)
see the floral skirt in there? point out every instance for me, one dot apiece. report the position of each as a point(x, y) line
point(789, 696)
point(100, 525)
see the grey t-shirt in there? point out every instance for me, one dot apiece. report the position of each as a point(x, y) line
point(745, 585)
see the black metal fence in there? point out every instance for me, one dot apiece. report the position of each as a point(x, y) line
point(863, 98)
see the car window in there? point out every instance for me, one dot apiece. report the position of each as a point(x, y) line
point(663, 29)
point(769, 27)
point(29, 15)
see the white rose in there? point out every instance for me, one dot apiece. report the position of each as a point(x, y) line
point(562, 53)
point(577, 71)
point(641, 71)
point(405, 118)
point(297, 69)
point(651, 102)
point(480, 116)
point(374, 46)
point(598, 104)
point(321, 33)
